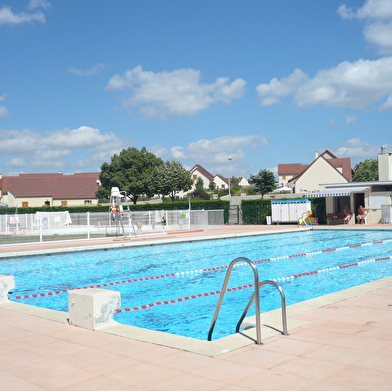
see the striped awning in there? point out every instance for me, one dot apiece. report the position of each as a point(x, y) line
point(337, 192)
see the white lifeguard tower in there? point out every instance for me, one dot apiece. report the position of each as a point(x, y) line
point(118, 221)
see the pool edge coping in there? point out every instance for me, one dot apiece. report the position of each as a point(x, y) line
point(143, 242)
point(271, 321)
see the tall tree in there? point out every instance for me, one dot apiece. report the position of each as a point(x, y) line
point(263, 181)
point(170, 178)
point(131, 171)
point(366, 171)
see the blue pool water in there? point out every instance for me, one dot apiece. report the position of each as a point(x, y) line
point(185, 277)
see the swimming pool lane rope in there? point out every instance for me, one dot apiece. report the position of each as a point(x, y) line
point(234, 289)
point(240, 264)
point(280, 279)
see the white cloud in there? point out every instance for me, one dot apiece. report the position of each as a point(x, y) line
point(215, 152)
point(83, 137)
point(80, 164)
point(176, 93)
point(387, 106)
point(52, 149)
point(377, 15)
point(270, 93)
point(380, 34)
point(16, 163)
point(8, 17)
point(158, 150)
point(332, 122)
point(374, 9)
point(350, 119)
point(94, 70)
point(357, 149)
point(38, 4)
point(3, 112)
point(52, 154)
point(18, 142)
point(177, 153)
point(351, 85)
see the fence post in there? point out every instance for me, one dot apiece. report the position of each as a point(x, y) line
point(88, 225)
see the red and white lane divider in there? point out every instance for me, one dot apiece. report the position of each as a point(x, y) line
point(328, 269)
point(239, 264)
point(144, 306)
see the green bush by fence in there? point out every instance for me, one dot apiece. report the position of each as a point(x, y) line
point(256, 211)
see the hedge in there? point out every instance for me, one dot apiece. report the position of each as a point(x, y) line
point(256, 211)
point(179, 205)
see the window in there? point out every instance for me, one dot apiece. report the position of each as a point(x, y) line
point(25, 204)
point(64, 203)
point(87, 202)
point(194, 176)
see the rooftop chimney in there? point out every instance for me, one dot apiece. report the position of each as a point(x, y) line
point(384, 165)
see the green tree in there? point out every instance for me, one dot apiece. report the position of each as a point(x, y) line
point(366, 171)
point(263, 181)
point(199, 191)
point(199, 184)
point(212, 186)
point(131, 171)
point(170, 178)
point(234, 181)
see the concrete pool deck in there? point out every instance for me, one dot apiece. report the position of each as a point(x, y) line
point(344, 342)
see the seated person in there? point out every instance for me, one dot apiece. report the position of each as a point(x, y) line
point(362, 212)
point(347, 214)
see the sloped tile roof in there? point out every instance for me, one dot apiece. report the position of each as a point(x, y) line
point(345, 163)
point(202, 171)
point(291, 168)
point(57, 186)
point(226, 180)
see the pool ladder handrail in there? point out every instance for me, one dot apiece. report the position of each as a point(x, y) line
point(255, 296)
point(283, 305)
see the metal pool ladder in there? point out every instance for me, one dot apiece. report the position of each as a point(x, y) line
point(255, 296)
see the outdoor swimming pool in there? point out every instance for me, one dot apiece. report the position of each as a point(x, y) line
point(173, 287)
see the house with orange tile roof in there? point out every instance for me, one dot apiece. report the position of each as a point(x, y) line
point(50, 189)
point(305, 178)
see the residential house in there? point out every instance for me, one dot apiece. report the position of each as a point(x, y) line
point(199, 172)
point(54, 189)
point(289, 171)
point(242, 181)
point(219, 180)
point(326, 168)
point(374, 195)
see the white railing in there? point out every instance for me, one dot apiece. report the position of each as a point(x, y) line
point(93, 224)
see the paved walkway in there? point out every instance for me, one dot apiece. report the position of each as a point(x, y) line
point(346, 345)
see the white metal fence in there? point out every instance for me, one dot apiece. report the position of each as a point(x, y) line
point(91, 224)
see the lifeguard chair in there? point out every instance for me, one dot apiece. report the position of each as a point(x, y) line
point(116, 218)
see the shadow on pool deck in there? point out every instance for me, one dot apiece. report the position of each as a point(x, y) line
point(344, 343)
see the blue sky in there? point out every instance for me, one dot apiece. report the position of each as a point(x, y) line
point(264, 82)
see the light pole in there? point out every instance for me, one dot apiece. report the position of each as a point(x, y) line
point(228, 167)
